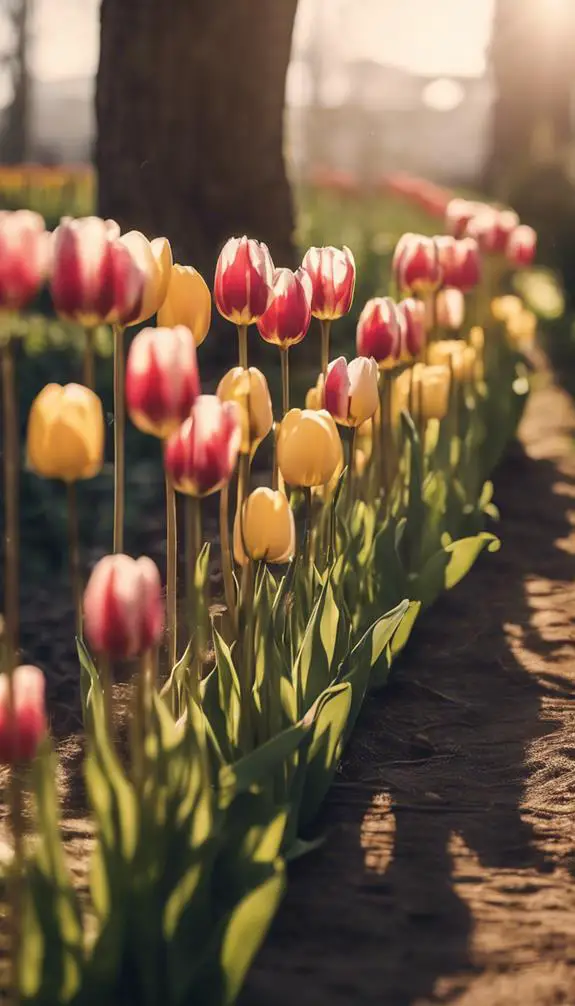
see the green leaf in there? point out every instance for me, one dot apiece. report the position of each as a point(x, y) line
point(369, 658)
point(312, 671)
point(329, 717)
point(246, 931)
point(447, 567)
point(229, 690)
point(259, 765)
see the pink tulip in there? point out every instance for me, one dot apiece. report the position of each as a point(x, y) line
point(412, 327)
point(22, 726)
point(351, 391)
point(288, 316)
point(458, 214)
point(332, 274)
point(378, 331)
point(521, 246)
point(491, 229)
point(415, 264)
point(201, 455)
point(24, 257)
point(450, 308)
point(162, 379)
point(468, 265)
point(243, 282)
point(447, 251)
point(95, 279)
point(123, 612)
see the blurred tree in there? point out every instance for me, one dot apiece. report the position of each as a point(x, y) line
point(190, 102)
point(14, 133)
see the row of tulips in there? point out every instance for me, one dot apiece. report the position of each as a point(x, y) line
point(235, 735)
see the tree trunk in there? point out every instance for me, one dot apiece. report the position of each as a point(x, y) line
point(190, 100)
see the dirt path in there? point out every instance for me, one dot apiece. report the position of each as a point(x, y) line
point(448, 875)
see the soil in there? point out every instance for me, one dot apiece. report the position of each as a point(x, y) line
point(448, 870)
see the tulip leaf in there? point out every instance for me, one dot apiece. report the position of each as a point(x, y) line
point(447, 567)
point(254, 768)
point(229, 690)
point(369, 659)
point(330, 718)
point(245, 933)
point(89, 679)
point(176, 687)
point(312, 669)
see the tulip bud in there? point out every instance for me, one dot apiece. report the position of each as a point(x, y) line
point(332, 274)
point(123, 613)
point(314, 397)
point(66, 433)
point(249, 390)
point(504, 308)
point(449, 353)
point(288, 316)
point(468, 272)
point(415, 264)
point(434, 396)
point(201, 455)
point(412, 328)
point(378, 332)
point(23, 725)
point(266, 529)
point(244, 278)
point(458, 214)
point(446, 246)
point(450, 309)
point(24, 257)
point(154, 259)
point(162, 380)
point(521, 246)
point(188, 302)
point(308, 447)
point(351, 392)
point(95, 277)
point(491, 229)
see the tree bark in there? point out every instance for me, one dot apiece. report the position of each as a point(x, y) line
point(190, 100)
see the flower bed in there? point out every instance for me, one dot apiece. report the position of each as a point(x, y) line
point(378, 502)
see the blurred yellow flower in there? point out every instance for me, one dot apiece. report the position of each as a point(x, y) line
point(249, 389)
point(188, 302)
point(65, 437)
point(503, 308)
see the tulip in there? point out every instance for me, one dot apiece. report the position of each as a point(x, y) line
point(265, 529)
point(450, 353)
point(309, 447)
point(187, 302)
point(201, 455)
point(521, 330)
point(415, 264)
point(66, 433)
point(288, 316)
point(95, 277)
point(458, 214)
point(162, 380)
point(521, 246)
point(332, 273)
point(434, 396)
point(351, 391)
point(447, 252)
point(123, 613)
point(468, 273)
point(249, 390)
point(412, 328)
point(504, 308)
point(154, 258)
point(450, 309)
point(23, 722)
point(491, 229)
point(378, 332)
point(243, 282)
point(24, 257)
point(364, 444)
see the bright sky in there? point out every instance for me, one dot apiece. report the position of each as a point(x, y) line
point(427, 36)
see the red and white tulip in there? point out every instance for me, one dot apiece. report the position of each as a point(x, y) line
point(416, 266)
point(332, 274)
point(162, 379)
point(351, 390)
point(288, 317)
point(412, 328)
point(123, 610)
point(23, 724)
point(521, 246)
point(24, 257)
point(201, 455)
point(378, 332)
point(243, 282)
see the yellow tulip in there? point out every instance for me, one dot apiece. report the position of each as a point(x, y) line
point(66, 433)
point(451, 353)
point(266, 529)
point(308, 447)
point(188, 302)
point(364, 438)
point(470, 367)
point(314, 397)
point(155, 260)
point(249, 389)
point(522, 329)
point(434, 396)
point(477, 339)
point(503, 308)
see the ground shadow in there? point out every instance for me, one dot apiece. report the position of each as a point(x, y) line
point(438, 765)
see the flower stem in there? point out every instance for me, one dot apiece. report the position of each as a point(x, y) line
point(17, 870)
point(325, 333)
point(351, 470)
point(247, 651)
point(227, 568)
point(119, 439)
point(195, 616)
point(243, 346)
point(89, 361)
point(139, 721)
point(284, 354)
point(105, 669)
point(11, 501)
point(171, 573)
point(308, 558)
point(74, 555)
